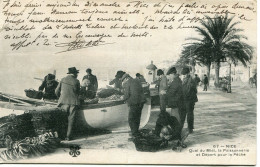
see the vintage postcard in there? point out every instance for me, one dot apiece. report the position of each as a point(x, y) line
point(128, 82)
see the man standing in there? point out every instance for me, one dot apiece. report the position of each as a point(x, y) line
point(162, 86)
point(205, 82)
point(93, 86)
point(68, 92)
point(134, 96)
point(175, 95)
point(197, 80)
point(190, 98)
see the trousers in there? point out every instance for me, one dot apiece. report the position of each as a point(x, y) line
point(175, 113)
point(205, 87)
point(189, 111)
point(134, 117)
point(162, 102)
point(71, 112)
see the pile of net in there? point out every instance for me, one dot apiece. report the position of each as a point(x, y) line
point(30, 147)
point(109, 94)
point(105, 93)
point(91, 101)
point(16, 126)
point(50, 120)
point(112, 98)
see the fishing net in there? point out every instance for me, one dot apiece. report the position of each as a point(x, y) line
point(16, 126)
point(50, 120)
point(30, 147)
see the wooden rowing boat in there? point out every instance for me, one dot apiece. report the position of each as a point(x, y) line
point(112, 115)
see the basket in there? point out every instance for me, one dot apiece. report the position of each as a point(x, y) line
point(31, 93)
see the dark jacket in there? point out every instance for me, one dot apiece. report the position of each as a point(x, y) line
point(117, 82)
point(175, 93)
point(68, 90)
point(164, 119)
point(163, 85)
point(205, 80)
point(189, 89)
point(197, 80)
point(93, 86)
point(133, 92)
point(49, 86)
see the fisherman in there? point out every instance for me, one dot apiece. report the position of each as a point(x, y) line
point(140, 77)
point(169, 128)
point(162, 84)
point(134, 96)
point(116, 81)
point(84, 91)
point(68, 93)
point(49, 84)
point(190, 98)
point(93, 86)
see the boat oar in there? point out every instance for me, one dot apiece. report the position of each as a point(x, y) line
point(55, 80)
point(14, 99)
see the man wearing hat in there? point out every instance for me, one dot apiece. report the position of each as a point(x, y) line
point(190, 98)
point(116, 81)
point(134, 96)
point(93, 85)
point(68, 92)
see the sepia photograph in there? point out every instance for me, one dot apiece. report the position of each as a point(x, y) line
point(130, 82)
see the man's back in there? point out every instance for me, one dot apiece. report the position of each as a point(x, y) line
point(133, 92)
point(174, 92)
point(68, 89)
point(189, 89)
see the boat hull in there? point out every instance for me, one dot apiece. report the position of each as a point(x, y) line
point(114, 118)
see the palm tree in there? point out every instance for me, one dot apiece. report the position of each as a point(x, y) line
point(200, 52)
point(219, 40)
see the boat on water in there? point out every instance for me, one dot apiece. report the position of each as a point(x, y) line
point(108, 115)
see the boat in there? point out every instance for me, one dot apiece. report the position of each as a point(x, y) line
point(108, 115)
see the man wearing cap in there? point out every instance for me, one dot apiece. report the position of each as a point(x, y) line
point(93, 86)
point(68, 92)
point(116, 81)
point(175, 94)
point(49, 84)
point(162, 84)
point(134, 96)
point(190, 98)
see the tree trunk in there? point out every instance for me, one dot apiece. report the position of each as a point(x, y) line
point(208, 71)
point(217, 67)
point(193, 70)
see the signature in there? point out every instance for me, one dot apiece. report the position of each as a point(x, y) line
point(80, 44)
point(25, 43)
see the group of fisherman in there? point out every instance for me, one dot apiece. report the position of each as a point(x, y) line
point(179, 95)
